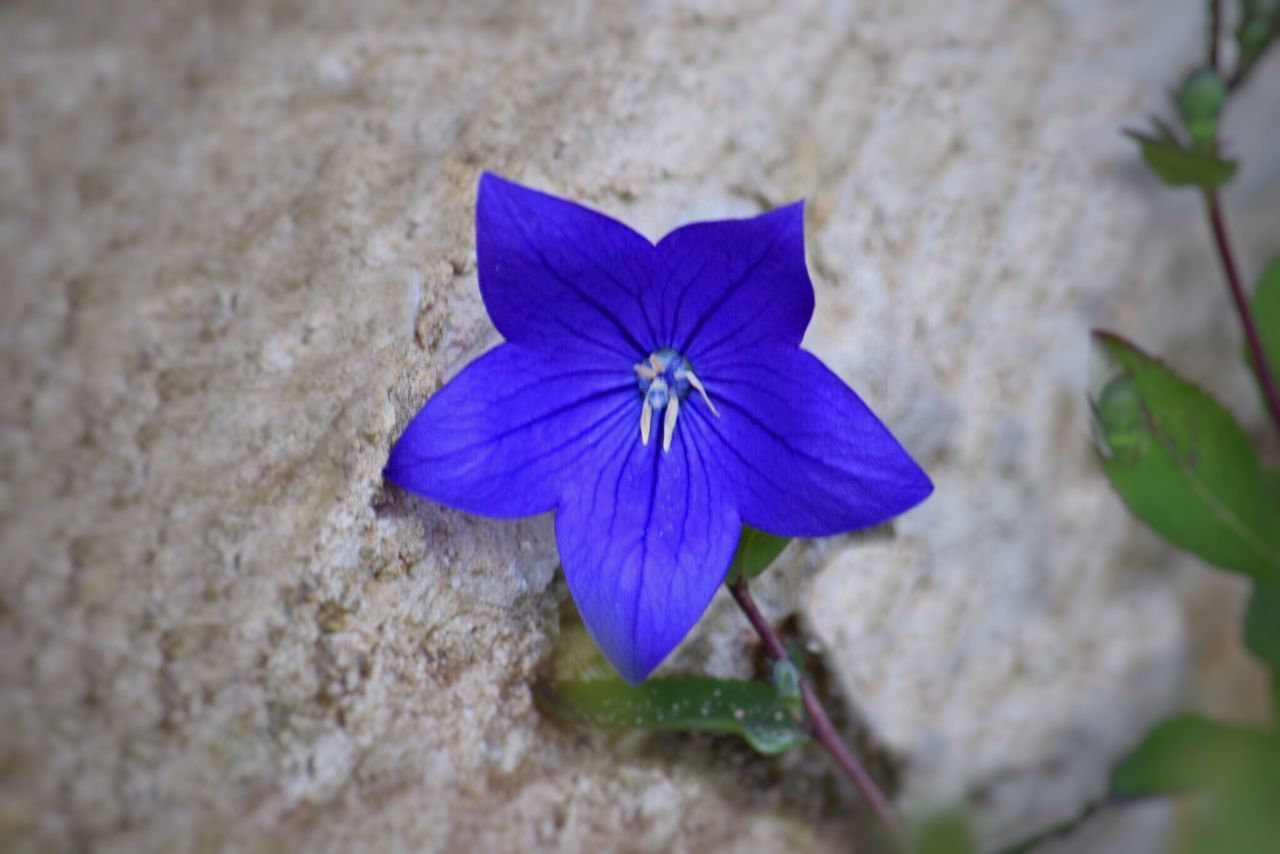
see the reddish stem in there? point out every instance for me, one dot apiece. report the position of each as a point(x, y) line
point(1266, 379)
point(1241, 73)
point(821, 727)
point(1215, 33)
point(1218, 223)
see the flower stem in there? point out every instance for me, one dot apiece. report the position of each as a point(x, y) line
point(1221, 239)
point(1215, 32)
point(1237, 78)
point(821, 727)
point(1266, 379)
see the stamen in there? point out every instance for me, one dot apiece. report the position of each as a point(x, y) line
point(645, 372)
point(697, 384)
point(646, 416)
point(669, 423)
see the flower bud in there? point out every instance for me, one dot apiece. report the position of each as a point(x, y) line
point(1258, 23)
point(1200, 102)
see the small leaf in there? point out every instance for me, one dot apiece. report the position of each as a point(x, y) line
point(1188, 753)
point(1265, 305)
point(752, 710)
point(1183, 465)
point(1262, 626)
point(1164, 131)
point(756, 551)
point(1182, 167)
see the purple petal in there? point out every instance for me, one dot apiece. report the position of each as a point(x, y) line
point(645, 538)
point(734, 283)
point(502, 436)
point(552, 270)
point(804, 455)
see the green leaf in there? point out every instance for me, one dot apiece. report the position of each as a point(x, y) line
point(1271, 483)
point(1182, 167)
point(943, 833)
point(1262, 636)
point(1231, 772)
point(756, 550)
point(1265, 305)
point(753, 710)
point(1189, 753)
point(1262, 626)
point(581, 686)
point(1239, 820)
point(1183, 465)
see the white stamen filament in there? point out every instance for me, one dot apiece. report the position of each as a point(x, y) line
point(646, 417)
point(669, 423)
point(697, 384)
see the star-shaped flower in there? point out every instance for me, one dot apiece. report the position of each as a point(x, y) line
point(656, 398)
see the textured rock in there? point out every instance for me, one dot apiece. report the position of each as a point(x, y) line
point(236, 254)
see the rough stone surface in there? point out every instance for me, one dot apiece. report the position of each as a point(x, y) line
point(236, 253)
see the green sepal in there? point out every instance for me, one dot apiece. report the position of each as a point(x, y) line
point(756, 551)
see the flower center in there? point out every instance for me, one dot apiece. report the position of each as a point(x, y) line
point(664, 380)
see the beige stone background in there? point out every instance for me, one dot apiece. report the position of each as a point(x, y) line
point(236, 253)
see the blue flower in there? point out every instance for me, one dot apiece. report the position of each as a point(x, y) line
point(656, 398)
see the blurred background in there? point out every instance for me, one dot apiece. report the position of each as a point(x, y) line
point(237, 253)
